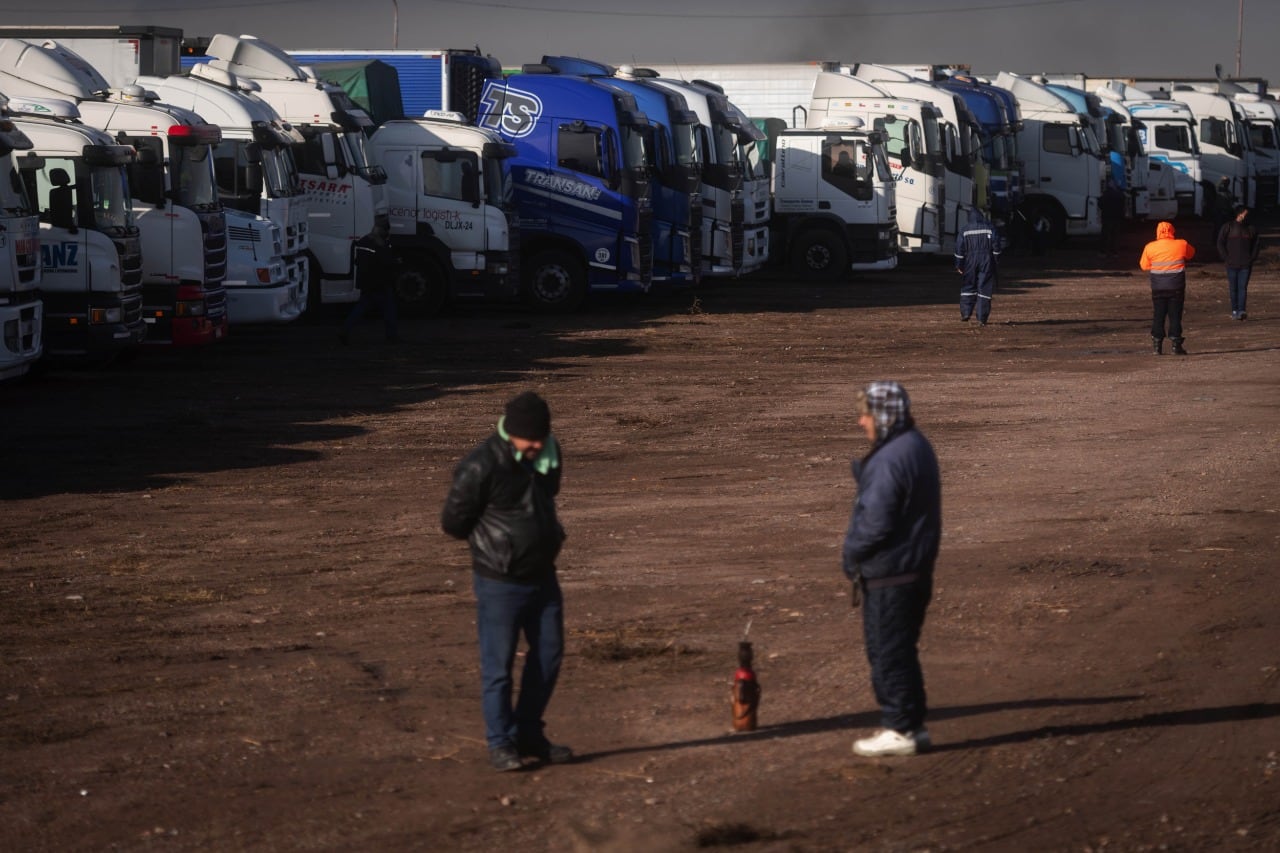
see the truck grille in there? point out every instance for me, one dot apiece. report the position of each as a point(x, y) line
point(241, 234)
point(215, 248)
point(644, 226)
point(737, 211)
point(131, 306)
point(695, 235)
point(130, 251)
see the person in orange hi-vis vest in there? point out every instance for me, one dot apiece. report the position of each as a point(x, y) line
point(1165, 258)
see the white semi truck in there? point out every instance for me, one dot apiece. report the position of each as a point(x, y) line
point(962, 137)
point(453, 223)
point(90, 246)
point(345, 193)
point(182, 226)
point(804, 94)
point(735, 188)
point(265, 275)
point(257, 175)
point(1063, 160)
point(21, 311)
point(1226, 150)
point(833, 200)
point(1168, 134)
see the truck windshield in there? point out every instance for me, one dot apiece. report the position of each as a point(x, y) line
point(1262, 135)
point(883, 172)
point(109, 197)
point(13, 195)
point(684, 142)
point(634, 155)
point(192, 177)
point(726, 144)
point(1173, 137)
point(279, 172)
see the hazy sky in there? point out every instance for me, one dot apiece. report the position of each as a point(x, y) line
point(1123, 38)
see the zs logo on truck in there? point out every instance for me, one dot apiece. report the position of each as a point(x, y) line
point(509, 111)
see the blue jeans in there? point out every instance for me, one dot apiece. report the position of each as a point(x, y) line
point(891, 621)
point(1238, 287)
point(504, 611)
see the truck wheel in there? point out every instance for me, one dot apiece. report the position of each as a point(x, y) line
point(555, 282)
point(1046, 220)
point(422, 288)
point(820, 256)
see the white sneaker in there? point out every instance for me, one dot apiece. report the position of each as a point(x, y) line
point(889, 742)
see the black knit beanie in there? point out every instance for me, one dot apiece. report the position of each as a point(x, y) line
point(527, 416)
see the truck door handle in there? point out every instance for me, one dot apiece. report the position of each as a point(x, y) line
point(1045, 180)
point(824, 205)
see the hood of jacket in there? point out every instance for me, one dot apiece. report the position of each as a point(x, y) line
point(1164, 231)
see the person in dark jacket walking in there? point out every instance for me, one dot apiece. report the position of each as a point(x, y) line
point(376, 266)
point(502, 502)
point(977, 259)
point(1166, 259)
point(889, 552)
point(1238, 247)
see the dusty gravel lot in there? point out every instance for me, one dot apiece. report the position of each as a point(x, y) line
point(230, 620)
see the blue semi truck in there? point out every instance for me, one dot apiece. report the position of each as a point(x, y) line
point(676, 168)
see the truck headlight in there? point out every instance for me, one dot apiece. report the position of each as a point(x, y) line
point(101, 316)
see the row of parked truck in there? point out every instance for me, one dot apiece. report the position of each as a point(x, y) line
point(159, 195)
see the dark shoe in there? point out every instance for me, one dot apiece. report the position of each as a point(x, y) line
point(964, 318)
point(1177, 346)
point(547, 752)
point(1157, 346)
point(1244, 316)
point(504, 759)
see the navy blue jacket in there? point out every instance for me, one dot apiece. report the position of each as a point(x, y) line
point(896, 524)
point(978, 251)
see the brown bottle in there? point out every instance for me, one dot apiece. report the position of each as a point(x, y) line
point(746, 692)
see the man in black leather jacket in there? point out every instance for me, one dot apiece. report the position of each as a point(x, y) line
point(503, 503)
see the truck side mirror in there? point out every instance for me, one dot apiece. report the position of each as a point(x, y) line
point(470, 183)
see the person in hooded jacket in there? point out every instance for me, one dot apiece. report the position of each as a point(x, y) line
point(889, 552)
point(977, 259)
point(1238, 247)
point(502, 501)
point(1165, 258)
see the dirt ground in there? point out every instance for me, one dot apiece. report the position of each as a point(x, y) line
point(231, 622)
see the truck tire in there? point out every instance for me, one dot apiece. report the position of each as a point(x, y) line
point(819, 255)
point(422, 287)
point(554, 282)
point(1047, 219)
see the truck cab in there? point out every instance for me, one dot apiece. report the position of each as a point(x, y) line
point(451, 213)
point(965, 170)
point(90, 245)
point(183, 230)
point(834, 200)
point(1226, 150)
point(998, 137)
point(1264, 138)
point(21, 311)
point(1063, 160)
point(260, 190)
point(581, 184)
point(345, 192)
point(914, 144)
point(1166, 129)
point(676, 167)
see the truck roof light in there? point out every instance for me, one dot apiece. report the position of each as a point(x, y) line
point(843, 122)
point(200, 134)
point(446, 115)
